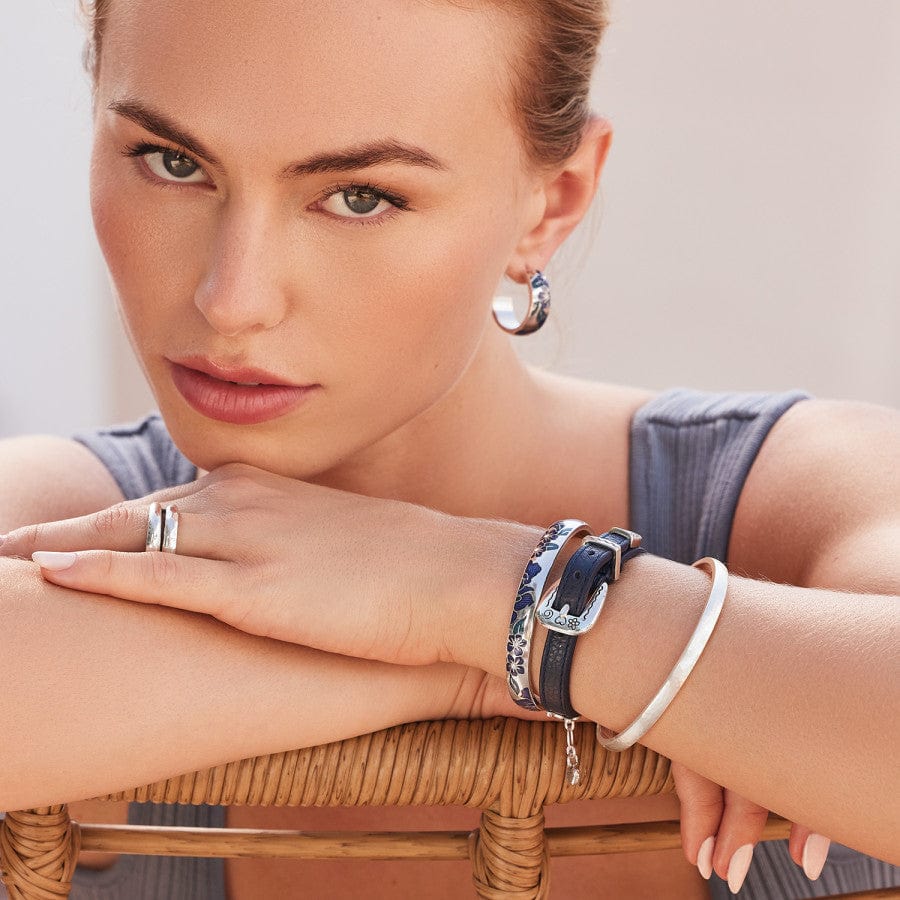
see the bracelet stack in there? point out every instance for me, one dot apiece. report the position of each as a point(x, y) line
point(569, 607)
point(521, 624)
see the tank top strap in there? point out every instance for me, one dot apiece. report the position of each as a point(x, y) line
point(140, 456)
point(691, 452)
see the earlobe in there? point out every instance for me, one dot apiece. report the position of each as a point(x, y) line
point(567, 194)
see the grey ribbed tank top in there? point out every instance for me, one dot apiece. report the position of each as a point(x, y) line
point(690, 455)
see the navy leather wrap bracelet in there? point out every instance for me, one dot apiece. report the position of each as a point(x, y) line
point(595, 564)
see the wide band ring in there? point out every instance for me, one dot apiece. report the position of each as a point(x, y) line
point(154, 528)
point(170, 528)
point(162, 528)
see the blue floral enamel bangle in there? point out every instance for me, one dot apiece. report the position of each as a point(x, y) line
point(521, 623)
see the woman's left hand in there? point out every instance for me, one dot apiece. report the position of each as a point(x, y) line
point(272, 556)
point(720, 828)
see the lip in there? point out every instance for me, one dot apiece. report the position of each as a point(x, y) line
point(209, 389)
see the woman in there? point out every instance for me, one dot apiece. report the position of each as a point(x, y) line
point(305, 234)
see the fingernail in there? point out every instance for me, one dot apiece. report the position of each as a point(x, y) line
point(815, 851)
point(739, 866)
point(54, 562)
point(705, 856)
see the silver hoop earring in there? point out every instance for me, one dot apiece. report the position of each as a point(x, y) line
point(539, 307)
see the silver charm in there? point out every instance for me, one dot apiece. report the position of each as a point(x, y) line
point(573, 773)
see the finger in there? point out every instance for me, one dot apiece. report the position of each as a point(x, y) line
point(797, 841)
point(120, 527)
point(162, 579)
point(809, 850)
point(740, 830)
point(702, 802)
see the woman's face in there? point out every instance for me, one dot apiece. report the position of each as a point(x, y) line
point(315, 194)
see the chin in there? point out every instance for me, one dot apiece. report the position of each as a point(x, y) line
point(209, 445)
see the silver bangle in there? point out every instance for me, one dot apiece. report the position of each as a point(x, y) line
point(685, 665)
point(521, 623)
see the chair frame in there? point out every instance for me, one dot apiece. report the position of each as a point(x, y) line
point(508, 768)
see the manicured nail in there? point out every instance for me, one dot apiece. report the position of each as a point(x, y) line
point(815, 851)
point(54, 562)
point(739, 866)
point(704, 857)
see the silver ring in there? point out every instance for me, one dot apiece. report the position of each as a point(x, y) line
point(170, 528)
point(538, 310)
point(154, 528)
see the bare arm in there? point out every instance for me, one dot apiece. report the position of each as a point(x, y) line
point(99, 696)
point(796, 701)
point(44, 478)
point(792, 705)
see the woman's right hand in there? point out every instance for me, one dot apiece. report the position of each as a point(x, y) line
point(279, 558)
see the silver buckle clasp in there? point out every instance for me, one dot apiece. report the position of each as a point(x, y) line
point(560, 620)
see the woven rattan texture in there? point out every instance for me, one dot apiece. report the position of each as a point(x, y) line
point(509, 768)
point(511, 765)
point(39, 850)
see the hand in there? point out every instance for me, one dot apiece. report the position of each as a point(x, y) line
point(271, 556)
point(719, 829)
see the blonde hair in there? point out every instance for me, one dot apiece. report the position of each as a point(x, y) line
point(94, 13)
point(552, 77)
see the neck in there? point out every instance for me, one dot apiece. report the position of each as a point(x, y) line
point(463, 453)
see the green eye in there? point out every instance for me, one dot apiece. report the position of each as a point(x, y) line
point(177, 165)
point(358, 202)
point(361, 202)
point(170, 165)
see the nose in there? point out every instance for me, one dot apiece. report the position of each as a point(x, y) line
point(242, 288)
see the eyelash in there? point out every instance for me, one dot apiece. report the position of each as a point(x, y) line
point(143, 148)
point(398, 203)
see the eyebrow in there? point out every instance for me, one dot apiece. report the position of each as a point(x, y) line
point(359, 156)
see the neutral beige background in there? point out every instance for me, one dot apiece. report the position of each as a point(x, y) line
point(750, 227)
point(746, 237)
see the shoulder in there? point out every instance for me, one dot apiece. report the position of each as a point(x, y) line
point(826, 470)
point(584, 437)
point(43, 478)
point(613, 404)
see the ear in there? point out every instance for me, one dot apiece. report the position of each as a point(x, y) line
point(562, 198)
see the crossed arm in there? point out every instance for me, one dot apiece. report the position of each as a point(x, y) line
point(793, 704)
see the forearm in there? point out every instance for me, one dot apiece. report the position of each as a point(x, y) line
point(792, 703)
point(99, 694)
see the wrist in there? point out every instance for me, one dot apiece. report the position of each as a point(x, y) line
point(482, 565)
point(647, 619)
